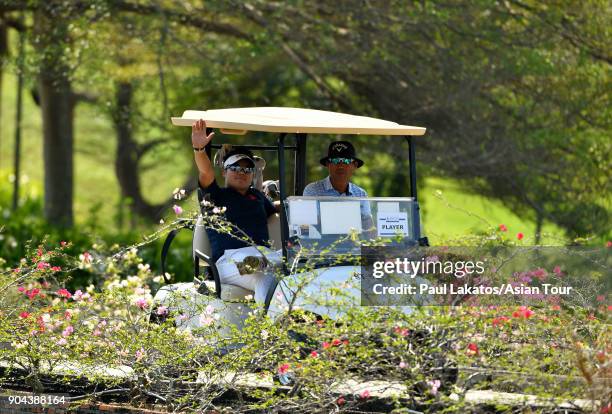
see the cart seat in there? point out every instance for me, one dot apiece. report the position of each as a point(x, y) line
point(201, 243)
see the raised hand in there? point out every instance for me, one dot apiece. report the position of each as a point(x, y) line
point(199, 139)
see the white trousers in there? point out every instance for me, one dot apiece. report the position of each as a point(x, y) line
point(259, 282)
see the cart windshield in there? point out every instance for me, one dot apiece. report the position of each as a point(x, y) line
point(331, 226)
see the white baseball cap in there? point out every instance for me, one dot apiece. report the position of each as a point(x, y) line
point(237, 157)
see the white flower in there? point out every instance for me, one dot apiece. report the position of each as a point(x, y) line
point(178, 194)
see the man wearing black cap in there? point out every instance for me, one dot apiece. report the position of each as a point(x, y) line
point(341, 162)
point(246, 208)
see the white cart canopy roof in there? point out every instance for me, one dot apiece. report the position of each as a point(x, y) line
point(293, 120)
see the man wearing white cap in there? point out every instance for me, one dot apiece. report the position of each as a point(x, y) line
point(246, 208)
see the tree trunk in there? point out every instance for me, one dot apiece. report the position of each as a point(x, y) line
point(57, 107)
point(18, 119)
point(129, 154)
point(539, 223)
point(127, 159)
point(3, 54)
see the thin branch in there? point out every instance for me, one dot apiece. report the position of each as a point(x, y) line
point(182, 18)
point(149, 145)
point(297, 58)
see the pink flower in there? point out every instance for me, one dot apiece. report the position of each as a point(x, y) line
point(140, 354)
point(472, 349)
point(24, 315)
point(78, 295)
point(520, 236)
point(39, 252)
point(177, 209)
point(503, 227)
point(336, 342)
point(401, 331)
point(85, 257)
point(600, 298)
point(609, 244)
point(432, 259)
point(314, 354)
point(68, 331)
point(32, 293)
point(64, 293)
point(42, 265)
point(206, 320)
point(434, 386)
point(500, 320)
point(340, 401)
point(522, 312)
point(63, 243)
point(402, 365)
point(62, 342)
point(56, 269)
point(97, 332)
point(21, 289)
point(326, 345)
point(365, 394)
point(283, 368)
point(540, 273)
point(142, 303)
point(162, 310)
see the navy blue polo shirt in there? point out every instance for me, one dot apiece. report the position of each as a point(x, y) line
point(249, 212)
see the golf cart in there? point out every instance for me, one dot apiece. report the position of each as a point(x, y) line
point(315, 234)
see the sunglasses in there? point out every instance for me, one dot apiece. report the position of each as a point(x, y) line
point(337, 161)
point(239, 169)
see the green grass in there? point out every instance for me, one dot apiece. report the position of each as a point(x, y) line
point(448, 210)
point(458, 213)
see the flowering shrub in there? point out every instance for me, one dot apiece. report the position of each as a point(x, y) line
point(103, 335)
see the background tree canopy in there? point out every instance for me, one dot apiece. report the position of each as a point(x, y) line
point(514, 94)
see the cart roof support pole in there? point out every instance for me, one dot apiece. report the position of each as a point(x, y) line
point(300, 163)
point(282, 188)
point(412, 160)
point(209, 146)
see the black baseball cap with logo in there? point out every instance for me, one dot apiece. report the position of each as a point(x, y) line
point(341, 149)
